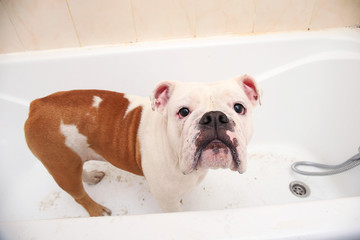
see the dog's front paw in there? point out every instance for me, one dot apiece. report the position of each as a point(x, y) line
point(171, 206)
point(92, 177)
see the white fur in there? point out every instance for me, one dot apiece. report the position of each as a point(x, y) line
point(135, 102)
point(78, 142)
point(96, 101)
point(160, 164)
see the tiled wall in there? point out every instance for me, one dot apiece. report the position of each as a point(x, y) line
point(27, 25)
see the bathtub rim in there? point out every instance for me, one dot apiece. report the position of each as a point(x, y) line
point(351, 34)
point(270, 222)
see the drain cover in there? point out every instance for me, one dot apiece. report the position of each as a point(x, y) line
point(299, 189)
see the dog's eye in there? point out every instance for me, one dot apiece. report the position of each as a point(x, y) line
point(183, 112)
point(239, 108)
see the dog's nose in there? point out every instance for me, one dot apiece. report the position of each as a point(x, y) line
point(214, 118)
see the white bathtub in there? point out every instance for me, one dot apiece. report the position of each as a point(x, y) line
point(310, 111)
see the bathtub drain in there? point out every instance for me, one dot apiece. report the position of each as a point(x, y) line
point(299, 189)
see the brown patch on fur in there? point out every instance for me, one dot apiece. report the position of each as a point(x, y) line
point(109, 133)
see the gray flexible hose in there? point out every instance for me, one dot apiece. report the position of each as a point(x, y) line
point(334, 169)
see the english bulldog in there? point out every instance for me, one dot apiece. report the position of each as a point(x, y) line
point(173, 139)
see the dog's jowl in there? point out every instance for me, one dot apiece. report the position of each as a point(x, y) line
point(172, 140)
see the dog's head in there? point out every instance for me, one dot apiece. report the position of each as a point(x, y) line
point(208, 124)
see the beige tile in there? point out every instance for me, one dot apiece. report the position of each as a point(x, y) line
point(164, 19)
point(9, 41)
point(217, 17)
point(283, 15)
point(335, 13)
point(103, 21)
point(42, 24)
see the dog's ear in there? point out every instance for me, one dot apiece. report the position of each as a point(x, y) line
point(251, 88)
point(161, 95)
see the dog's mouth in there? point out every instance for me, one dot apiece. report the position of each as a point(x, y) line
point(216, 153)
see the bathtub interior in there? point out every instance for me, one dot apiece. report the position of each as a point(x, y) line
point(310, 112)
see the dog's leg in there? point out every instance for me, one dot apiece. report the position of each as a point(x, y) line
point(169, 193)
point(63, 164)
point(167, 197)
point(67, 170)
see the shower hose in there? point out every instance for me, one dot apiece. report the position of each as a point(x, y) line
point(331, 169)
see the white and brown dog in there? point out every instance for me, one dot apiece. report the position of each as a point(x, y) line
point(195, 127)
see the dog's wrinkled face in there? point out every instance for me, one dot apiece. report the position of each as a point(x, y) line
point(209, 125)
